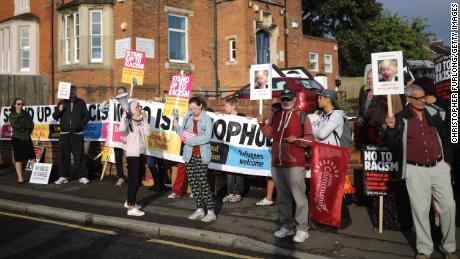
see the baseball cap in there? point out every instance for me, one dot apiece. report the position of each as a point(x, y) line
point(331, 94)
point(287, 93)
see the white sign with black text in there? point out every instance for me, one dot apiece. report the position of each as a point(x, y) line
point(41, 173)
point(64, 90)
point(387, 73)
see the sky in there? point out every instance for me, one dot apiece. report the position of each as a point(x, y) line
point(437, 13)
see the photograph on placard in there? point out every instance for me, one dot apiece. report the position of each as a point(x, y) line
point(387, 73)
point(260, 82)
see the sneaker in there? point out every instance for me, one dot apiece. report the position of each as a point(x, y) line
point(61, 180)
point(191, 195)
point(120, 182)
point(284, 232)
point(198, 214)
point(421, 256)
point(137, 206)
point(235, 199)
point(210, 217)
point(135, 212)
point(227, 198)
point(264, 202)
point(300, 236)
point(173, 195)
point(84, 180)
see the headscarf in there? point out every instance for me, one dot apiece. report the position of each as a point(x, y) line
point(132, 108)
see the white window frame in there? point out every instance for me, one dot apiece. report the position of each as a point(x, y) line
point(21, 6)
point(328, 65)
point(23, 49)
point(76, 37)
point(67, 38)
point(95, 60)
point(313, 61)
point(186, 38)
point(5, 50)
point(232, 50)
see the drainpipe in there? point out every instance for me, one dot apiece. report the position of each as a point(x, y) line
point(52, 51)
point(285, 36)
point(216, 66)
point(158, 44)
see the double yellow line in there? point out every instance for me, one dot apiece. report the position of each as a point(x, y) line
point(113, 233)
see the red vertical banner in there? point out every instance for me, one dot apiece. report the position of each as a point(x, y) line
point(329, 165)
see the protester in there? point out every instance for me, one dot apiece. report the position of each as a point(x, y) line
point(418, 135)
point(288, 165)
point(23, 149)
point(235, 182)
point(195, 133)
point(73, 117)
point(134, 124)
point(178, 184)
point(157, 165)
point(328, 130)
point(119, 151)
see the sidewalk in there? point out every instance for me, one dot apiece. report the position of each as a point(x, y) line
point(241, 225)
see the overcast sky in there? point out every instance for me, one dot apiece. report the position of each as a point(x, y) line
point(437, 13)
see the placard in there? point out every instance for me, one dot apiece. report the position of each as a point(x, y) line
point(146, 46)
point(108, 154)
point(179, 93)
point(39, 151)
point(387, 73)
point(381, 169)
point(442, 77)
point(133, 70)
point(41, 173)
point(64, 90)
point(260, 82)
point(121, 46)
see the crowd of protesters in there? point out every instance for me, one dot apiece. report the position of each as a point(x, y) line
point(418, 134)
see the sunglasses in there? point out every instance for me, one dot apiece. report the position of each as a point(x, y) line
point(19, 104)
point(285, 99)
point(418, 99)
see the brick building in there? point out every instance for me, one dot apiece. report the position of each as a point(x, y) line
point(78, 40)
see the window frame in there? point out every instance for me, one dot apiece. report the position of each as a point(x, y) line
point(92, 59)
point(5, 50)
point(76, 37)
point(232, 50)
point(21, 6)
point(185, 31)
point(313, 61)
point(24, 49)
point(326, 64)
point(67, 38)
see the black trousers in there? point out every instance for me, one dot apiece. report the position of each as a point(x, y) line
point(72, 143)
point(119, 162)
point(136, 169)
point(157, 168)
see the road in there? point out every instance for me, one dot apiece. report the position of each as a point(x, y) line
point(28, 236)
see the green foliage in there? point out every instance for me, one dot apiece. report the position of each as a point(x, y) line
point(361, 27)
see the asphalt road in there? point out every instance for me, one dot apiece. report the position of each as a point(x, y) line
point(28, 236)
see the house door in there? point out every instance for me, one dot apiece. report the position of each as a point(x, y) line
point(263, 47)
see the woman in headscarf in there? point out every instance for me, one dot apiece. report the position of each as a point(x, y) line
point(134, 124)
point(22, 124)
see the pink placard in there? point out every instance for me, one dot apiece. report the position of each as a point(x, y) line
point(135, 59)
point(118, 136)
point(181, 86)
point(7, 131)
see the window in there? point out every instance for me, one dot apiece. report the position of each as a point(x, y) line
point(177, 38)
point(96, 36)
point(263, 47)
point(24, 48)
point(232, 46)
point(327, 63)
point(313, 61)
point(21, 6)
point(76, 37)
point(4, 50)
point(68, 24)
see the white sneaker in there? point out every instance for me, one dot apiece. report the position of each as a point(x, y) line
point(264, 202)
point(300, 236)
point(84, 180)
point(173, 195)
point(120, 182)
point(135, 212)
point(198, 214)
point(210, 217)
point(137, 206)
point(191, 195)
point(61, 180)
point(284, 232)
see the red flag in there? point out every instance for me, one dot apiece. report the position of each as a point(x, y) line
point(329, 165)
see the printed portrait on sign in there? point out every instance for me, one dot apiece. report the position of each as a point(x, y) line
point(388, 70)
point(261, 79)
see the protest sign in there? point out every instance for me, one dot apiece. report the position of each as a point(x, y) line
point(133, 69)
point(442, 77)
point(178, 95)
point(380, 170)
point(41, 173)
point(39, 151)
point(387, 73)
point(64, 90)
point(108, 155)
point(260, 82)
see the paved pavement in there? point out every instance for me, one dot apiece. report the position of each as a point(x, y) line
point(241, 226)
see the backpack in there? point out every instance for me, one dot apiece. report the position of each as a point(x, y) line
point(345, 139)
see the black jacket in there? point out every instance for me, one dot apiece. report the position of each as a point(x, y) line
point(75, 120)
point(394, 137)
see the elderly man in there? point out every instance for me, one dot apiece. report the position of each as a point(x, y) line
point(419, 136)
point(288, 162)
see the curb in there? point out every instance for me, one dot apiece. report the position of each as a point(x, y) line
point(217, 238)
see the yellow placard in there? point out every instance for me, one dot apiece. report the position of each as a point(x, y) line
point(165, 142)
point(130, 73)
point(181, 105)
point(108, 155)
point(41, 131)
